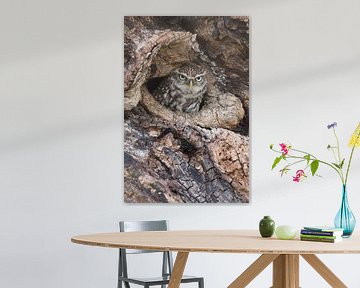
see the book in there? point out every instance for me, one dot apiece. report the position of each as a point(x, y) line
point(320, 236)
point(325, 240)
point(322, 230)
point(321, 233)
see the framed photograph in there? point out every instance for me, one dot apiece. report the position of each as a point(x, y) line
point(186, 99)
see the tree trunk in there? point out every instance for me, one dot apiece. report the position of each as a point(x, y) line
point(175, 157)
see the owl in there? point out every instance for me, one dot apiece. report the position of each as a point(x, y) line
point(183, 89)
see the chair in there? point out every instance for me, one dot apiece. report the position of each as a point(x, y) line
point(167, 262)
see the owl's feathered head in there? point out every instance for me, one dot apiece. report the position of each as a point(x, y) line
point(190, 74)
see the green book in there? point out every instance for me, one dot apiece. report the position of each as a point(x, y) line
point(319, 236)
point(325, 240)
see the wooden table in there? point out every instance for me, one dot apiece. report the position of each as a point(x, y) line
point(284, 254)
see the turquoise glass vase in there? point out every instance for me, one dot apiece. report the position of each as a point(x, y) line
point(345, 219)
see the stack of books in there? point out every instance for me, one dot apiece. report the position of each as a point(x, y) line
point(321, 234)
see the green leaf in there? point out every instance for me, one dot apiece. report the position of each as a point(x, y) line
point(276, 161)
point(336, 165)
point(271, 146)
point(342, 163)
point(284, 171)
point(307, 157)
point(314, 166)
point(339, 166)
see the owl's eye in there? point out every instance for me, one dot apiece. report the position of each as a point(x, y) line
point(182, 77)
point(198, 78)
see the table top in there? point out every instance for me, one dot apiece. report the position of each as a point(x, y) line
point(217, 241)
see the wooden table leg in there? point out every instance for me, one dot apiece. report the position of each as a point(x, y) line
point(253, 270)
point(178, 270)
point(286, 271)
point(324, 271)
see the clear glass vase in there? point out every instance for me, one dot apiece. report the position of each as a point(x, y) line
point(345, 219)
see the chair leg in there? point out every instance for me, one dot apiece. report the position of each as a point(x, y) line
point(201, 283)
point(119, 270)
point(126, 284)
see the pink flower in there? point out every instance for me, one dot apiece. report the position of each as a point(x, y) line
point(284, 148)
point(300, 174)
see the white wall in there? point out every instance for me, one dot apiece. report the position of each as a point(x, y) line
point(61, 133)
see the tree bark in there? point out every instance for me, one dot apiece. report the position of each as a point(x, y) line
point(174, 157)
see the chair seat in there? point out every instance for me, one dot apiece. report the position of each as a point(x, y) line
point(158, 280)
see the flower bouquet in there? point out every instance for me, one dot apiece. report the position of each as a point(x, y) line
point(292, 157)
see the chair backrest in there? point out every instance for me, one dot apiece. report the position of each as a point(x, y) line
point(134, 226)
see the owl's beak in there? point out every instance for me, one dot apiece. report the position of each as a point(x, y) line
point(190, 83)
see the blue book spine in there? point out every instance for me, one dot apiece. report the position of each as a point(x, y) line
point(319, 233)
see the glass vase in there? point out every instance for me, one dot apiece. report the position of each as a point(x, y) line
point(345, 219)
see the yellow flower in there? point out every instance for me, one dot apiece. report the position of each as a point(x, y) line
point(355, 137)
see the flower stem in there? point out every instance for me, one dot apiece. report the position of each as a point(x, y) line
point(296, 162)
point(338, 146)
point(338, 171)
point(339, 156)
point(320, 161)
point(333, 152)
point(304, 152)
point(351, 155)
point(348, 167)
point(312, 158)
